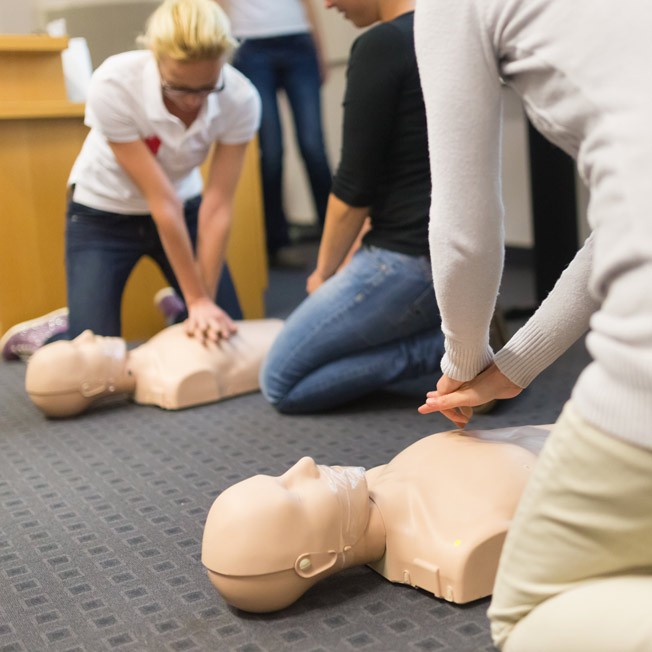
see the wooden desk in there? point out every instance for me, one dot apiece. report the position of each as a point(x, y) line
point(41, 133)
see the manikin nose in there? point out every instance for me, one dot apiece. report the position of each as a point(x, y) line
point(304, 468)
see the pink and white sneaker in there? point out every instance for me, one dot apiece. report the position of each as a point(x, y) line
point(21, 340)
point(170, 304)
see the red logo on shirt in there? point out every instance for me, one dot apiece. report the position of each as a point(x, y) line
point(153, 142)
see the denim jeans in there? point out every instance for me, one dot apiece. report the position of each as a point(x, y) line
point(287, 63)
point(374, 323)
point(101, 251)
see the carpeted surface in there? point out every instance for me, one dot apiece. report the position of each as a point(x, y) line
point(101, 521)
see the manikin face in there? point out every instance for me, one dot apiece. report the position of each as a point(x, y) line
point(263, 524)
point(64, 377)
point(332, 495)
point(100, 359)
point(185, 85)
point(85, 364)
point(361, 13)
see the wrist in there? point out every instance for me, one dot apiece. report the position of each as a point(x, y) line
point(323, 276)
point(195, 300)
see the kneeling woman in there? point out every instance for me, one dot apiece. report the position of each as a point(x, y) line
point(136, 186)
point(375, 322)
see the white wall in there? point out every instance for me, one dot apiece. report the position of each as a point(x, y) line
point(516, 180)
point(338, 35)
point(17, 16)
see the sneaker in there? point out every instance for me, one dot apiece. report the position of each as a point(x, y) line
point(21, 340)
point(170, 304)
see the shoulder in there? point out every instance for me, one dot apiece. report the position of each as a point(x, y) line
point(384, 37)
point(124, 66)
point(386, 47)
point(122, 75)
point(237, 108)
point(385, 53)
point(119, 93)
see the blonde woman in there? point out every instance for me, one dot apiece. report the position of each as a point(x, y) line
point(136, 187)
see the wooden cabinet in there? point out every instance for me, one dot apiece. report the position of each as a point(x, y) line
point(41, 133)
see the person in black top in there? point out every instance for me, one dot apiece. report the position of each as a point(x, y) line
point(373, 321)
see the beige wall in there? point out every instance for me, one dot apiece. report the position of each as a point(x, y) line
point(338, 35)
point(109, 26)
point(17, 16)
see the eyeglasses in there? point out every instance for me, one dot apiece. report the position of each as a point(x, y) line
point(181, 92)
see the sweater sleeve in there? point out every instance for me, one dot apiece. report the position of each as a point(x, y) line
point(560, 320)
point(372, 90)
point(462, 95)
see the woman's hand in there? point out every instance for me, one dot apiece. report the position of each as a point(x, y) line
point(454, 399)
point(207, 322)
point(315, 280)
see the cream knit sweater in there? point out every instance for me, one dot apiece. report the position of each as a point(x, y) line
point(583, 69)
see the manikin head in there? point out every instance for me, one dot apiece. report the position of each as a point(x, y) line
point(66, 377)
point(268, 539)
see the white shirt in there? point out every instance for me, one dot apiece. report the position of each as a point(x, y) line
point(125, 104)
point(262, 18)
point(583, 71)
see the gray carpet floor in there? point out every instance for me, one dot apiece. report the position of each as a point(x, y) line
point(101, 518)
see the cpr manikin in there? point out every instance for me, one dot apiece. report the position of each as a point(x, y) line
point(434, 517)
point(172, 370)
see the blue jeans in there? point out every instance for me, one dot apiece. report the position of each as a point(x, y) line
point(373, 324)
point(287, 63)
point(101, 251)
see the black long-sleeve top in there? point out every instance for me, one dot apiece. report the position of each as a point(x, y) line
point(384, 161)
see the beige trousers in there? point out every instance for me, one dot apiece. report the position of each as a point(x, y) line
point(575, 574)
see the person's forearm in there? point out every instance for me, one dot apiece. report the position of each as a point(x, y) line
point(216, 210)
point(561, 320)
point(212, 240)
point(341, 228)
point(167, 212)
point(168, 217)
point(462, 96)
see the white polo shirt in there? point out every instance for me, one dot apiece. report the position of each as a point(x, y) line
point(125, 104)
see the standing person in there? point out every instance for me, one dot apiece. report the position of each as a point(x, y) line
point(375, 321)
point(281, 50)
point(136, 186)
point(579, 549)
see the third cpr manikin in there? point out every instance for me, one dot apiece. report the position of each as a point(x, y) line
point(434, 517)
point(171, 370)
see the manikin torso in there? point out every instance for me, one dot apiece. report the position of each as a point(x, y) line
point(175, 371)
point(171, 370)
point(434, 517)
point(446, 502)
